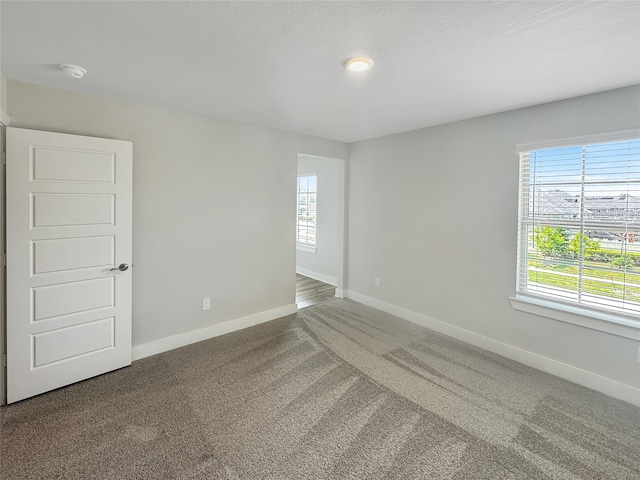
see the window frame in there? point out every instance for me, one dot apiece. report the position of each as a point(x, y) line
point(622, 324)
point(306, 246)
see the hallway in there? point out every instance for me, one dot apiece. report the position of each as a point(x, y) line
point(311, 292)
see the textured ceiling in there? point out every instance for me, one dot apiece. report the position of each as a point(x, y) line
point(279, 64)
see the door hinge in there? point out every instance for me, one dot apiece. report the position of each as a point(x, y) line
point(3, 157)
point(4, 259)
point(4, 359)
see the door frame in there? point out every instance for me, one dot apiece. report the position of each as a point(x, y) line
point(341, 227)
point(4, 123)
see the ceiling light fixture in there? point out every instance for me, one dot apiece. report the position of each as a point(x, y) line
point(358, 64)
point(73, 71)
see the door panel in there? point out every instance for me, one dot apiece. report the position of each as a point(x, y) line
point(74, 341)
point(72, 297)
point(63, 210)
point(72, 253)
point(67, 165)
point(68, 224)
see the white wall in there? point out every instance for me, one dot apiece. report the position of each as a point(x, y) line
point(213, 205)
point(3, 92)
point(4, 118)
point(433, 213)
point(323, 264)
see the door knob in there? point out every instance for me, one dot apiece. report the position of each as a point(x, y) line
point(123, 267)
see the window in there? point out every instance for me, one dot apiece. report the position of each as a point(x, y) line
point(306, 223)
point(579, 225)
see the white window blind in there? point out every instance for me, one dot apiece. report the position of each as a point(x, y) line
point(579, 225)
point(306, 218)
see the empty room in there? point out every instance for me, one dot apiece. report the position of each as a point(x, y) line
point(320, 240)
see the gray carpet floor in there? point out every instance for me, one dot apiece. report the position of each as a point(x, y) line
point(337, 391)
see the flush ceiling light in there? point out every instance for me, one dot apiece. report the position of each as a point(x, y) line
point(73, 71)
point(358, 64)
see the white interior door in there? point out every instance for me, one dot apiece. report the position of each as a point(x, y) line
point(69, 225)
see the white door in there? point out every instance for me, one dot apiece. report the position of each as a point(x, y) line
point(69, 228)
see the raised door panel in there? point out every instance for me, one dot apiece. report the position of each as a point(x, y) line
point(67, 165)
point(62, 254)
point(65, 209)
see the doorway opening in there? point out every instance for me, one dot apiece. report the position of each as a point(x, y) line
point(320, 230)
point(312, 292)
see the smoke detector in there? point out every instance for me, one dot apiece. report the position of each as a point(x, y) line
point(73, 71)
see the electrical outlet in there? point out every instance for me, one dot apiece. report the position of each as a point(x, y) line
point(376, 281)
point(206, 304)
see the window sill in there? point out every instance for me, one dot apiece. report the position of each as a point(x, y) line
point(620, 325)
point(305, 248)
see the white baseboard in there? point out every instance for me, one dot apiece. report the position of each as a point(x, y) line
point(321, 277)
point(577, 375)
point(340, 293)
point(222, 328)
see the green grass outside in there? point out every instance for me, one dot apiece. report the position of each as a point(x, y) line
point(602, 282)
